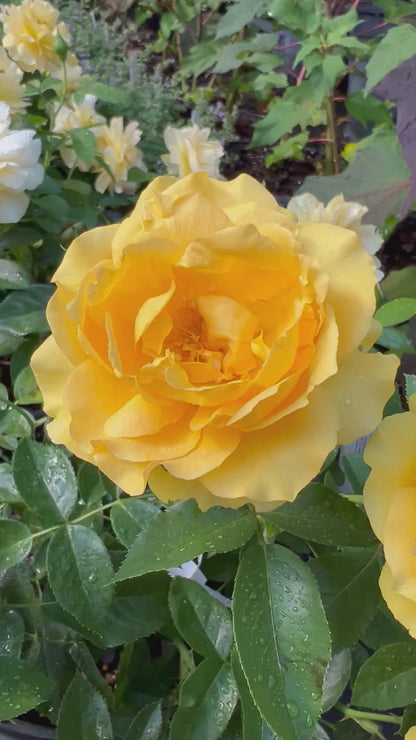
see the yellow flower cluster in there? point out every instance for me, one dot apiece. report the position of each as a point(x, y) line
point(215, 344)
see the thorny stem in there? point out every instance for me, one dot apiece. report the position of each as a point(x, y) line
point(331, 148)
point(258, 527)
point(358, 714)
point(74, 521)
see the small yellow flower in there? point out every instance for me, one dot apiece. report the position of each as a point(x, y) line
point(190, 151)
point(78, 115)
point(340, 212)
point(11, 88)
point(117, 147)
point(31, 30)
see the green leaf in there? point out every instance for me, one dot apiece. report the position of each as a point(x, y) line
point(336, 678)
point(398, 44)
point(25, 388)
point(206, 702)
point(321, 515)
point(23, 311)
point(408, 719)
point(147, 723)
point(378, 178)
point(201, 619)
point(348, 583)
point(234, 55)
point(15, 542)
point(410, 384)
point(108, 93)
point(181, 533)
point(387, 679)
point(202, 57)
point(87, 667)
point(237, 16)
point(291, 148)
point(357, 472)
point(396, 340)
point(282, 638)
point(396, 312)
point(13, 276)
point(45, 480)
point(129, 516)
point(85, 144)
point(367, 109)
point(297, 107)
point(254, 727)
point(138, 609)
point(22, 687)
point(12, 631)
point(326, 76)
point(80, 572)
point(8, 491)
point(93, 485)
point(400, 283)
point(14, 422)
point(83, 714)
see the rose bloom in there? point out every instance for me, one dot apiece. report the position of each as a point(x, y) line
point(19, 168)
point(342, 212)
point(11, 88)
point(411, 734)
point(77, 115)
point(212, 344)
point(117, 147)
point(30, 33)
point(390, 502)
point(190, 151)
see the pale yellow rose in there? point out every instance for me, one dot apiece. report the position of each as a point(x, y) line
point(117, 147)
point(191, 151)
point(11, 88)
point(390, 502)
point(346, 213)
point(411, 734)
point(75, 115)
point(212, 344)
point(31, 30)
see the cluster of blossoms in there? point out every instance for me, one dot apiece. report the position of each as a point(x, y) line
point(31, 43)
point(116, 146)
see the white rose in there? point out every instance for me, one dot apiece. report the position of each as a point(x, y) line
point(19, 168)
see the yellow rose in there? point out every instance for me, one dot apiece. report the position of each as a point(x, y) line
point(390, 502)
point(31, 31)
point(211, 343)
point(411, 734)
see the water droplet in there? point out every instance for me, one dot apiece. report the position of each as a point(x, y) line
point(308, 720)
point(259, 677)
point(271, 682)
point(293, 709)
point(314, 696)
point(347, 401)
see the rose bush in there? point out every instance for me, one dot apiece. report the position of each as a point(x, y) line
point(211, 343)
point(390, 502)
